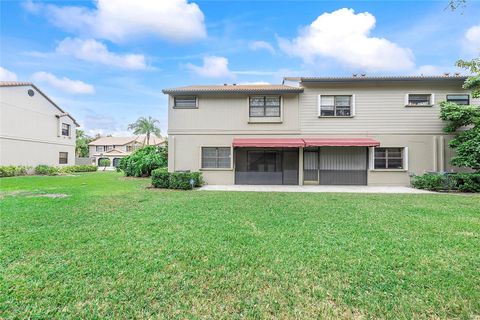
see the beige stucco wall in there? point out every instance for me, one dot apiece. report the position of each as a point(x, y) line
point(425, 153)
point(379, 108)
point(230, 113)
point(30, 131)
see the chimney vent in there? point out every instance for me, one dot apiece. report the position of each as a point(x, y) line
point(364, 74)
point(446, 74)
point(354, 75)
point(225, 84)
point(457, 74)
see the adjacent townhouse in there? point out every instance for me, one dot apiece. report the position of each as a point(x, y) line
point(116, 148)
point(357, 130)
point(33, 129)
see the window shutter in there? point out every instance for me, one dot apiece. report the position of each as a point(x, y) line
point(319, 104)
point(432, 102)
point(353, 104)
point(405, 158)
point(371, 163)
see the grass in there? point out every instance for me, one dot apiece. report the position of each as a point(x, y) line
point(115, 249)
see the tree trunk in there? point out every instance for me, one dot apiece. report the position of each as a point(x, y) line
point(148, 138)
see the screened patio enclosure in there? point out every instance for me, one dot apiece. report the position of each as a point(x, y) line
point(268, 166)
point(325, 161)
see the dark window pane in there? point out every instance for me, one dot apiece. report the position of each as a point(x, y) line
point(395, 163)
point(419, 99)
point(213, 157)
point(342, 111)
point(63, 157)
point(327, 111)
point(380, 163)
point(461, 99)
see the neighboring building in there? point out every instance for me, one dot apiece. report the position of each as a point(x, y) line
point(33, 129)
point(332, 130)
point(115, 148)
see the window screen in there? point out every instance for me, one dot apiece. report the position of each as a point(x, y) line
point(63, 157)
point(186, 102)
point(216, 157)
point(388, 158)
point(462, 99)
point(264, 106)
point(336, 106)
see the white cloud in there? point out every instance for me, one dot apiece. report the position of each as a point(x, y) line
point(213, 67)
point(64, 84)
point(7, 75)
point(94, 51)
point(119, 20)
point(345, 37)
point(262, 45)
point(472, 40)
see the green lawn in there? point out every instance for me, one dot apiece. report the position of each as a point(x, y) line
point(114, 248)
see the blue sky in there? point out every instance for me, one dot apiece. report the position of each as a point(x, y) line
point(106, 61)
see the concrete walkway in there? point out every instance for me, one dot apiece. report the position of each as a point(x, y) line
point(316, 188)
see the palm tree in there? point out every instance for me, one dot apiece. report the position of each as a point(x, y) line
point(145, 126)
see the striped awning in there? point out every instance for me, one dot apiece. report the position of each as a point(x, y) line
point(304, 142)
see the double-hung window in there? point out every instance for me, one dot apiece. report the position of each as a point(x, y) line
point(462, 99)
point(65, 130)
point(63, 157)
point(99, 148)
point(216, 157)
point(264, 106)
point(389, 158)
point(336, 106)
point(420, 100)
point(185, 102)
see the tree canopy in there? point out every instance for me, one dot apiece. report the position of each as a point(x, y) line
point(147, 126)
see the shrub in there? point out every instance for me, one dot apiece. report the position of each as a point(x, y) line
point(79, 168)
point(43, 169)
point(11, 171)
point(467, 182)
point(160, 178)
point(175, 180)
point(143, 161)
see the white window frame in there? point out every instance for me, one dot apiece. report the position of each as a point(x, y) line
point(180, 96)
point(280, 101)
point(431, 104)
point(371, 162)
point(352, 106)
point(215, 169)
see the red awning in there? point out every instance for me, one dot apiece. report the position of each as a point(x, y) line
point(269, 142)
point(341, 142)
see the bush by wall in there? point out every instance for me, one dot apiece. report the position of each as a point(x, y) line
point(79, 168)
point(43, 169)
point(143, 161)
point(467, 182)
point(12, 171)
point(175, 180)
point(464, 182)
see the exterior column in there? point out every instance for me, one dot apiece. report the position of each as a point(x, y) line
point(435, 151)
point(442, 153)
point(300, 166)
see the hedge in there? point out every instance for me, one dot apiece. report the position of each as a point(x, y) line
point(175, 180)
point(12, 171)
point(43, 169)
point(464, 182)
point(79, 168)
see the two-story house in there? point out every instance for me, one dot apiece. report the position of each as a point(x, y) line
point(322, 130)
point(115, 148)
point(33, 129)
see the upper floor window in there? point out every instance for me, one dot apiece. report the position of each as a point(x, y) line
point(420, 100)
point(264, 106)
point(462, 99)
point(99, 148)
point(216, 157)
point(63, 157)
point(65, 129)
point(336, 106)
point(108, 148)
point(129, 148)
point(186, 102)
point(389, 158)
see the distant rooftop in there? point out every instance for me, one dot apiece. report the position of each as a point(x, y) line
point(14, 83)
point(363, 77)
point(120, 141)
point(235, 88)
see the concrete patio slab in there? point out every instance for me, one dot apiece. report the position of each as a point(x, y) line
point(316, 188)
